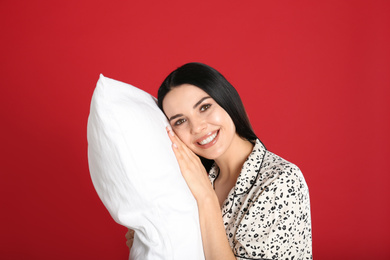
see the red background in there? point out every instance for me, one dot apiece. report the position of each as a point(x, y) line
point(314, 76)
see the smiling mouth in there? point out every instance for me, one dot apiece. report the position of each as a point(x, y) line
point(209, 139)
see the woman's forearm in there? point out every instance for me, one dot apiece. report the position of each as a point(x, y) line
point(215, 243)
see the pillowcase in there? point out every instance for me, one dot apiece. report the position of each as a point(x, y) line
point(136, 174)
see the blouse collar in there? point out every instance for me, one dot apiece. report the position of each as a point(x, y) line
point(249, 172)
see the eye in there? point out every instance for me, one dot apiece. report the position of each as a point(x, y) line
point(180, 121)
point(205, 107)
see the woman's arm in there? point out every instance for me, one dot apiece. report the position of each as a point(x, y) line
point(215, 243)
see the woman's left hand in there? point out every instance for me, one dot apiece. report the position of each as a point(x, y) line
point(191, 168)
point(129, 238)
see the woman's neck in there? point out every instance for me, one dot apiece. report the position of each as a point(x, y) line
point(230, 163)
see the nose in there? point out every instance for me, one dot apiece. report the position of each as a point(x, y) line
point(197, 126)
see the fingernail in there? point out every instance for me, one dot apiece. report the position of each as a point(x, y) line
point(170, 131)
point(174, 145)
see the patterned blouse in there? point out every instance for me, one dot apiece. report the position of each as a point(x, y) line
point(267, 213)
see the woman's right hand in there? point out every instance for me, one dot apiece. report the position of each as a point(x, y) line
point(191, 168)
point(129, 238)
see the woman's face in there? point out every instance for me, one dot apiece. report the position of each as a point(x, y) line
point(204, 126)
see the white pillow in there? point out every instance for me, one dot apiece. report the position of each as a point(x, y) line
point(136, 175)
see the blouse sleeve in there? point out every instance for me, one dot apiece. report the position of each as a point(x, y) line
point(277, 223)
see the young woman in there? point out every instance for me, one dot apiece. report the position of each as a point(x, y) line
point(252, 203)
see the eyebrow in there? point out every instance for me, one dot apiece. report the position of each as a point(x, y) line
point(200, 101)
point(197, 104)
point(175, 116)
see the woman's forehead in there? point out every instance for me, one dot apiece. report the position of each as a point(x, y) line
point(185, 91)
point(183, 97)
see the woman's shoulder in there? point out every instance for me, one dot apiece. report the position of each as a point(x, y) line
point(278, 171)
point(278, 165)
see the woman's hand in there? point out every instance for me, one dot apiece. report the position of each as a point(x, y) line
point(129, 238)
point(215, 243)
point(191, 168)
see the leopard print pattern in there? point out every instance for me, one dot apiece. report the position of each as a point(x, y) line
point(267, 213)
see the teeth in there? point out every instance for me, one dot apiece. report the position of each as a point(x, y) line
point(208, 139)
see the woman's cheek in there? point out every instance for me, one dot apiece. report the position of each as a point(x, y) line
point(215, 118)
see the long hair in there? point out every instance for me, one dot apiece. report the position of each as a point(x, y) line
point(214, 84)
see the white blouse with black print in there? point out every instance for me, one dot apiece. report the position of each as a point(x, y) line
point(267, 213)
